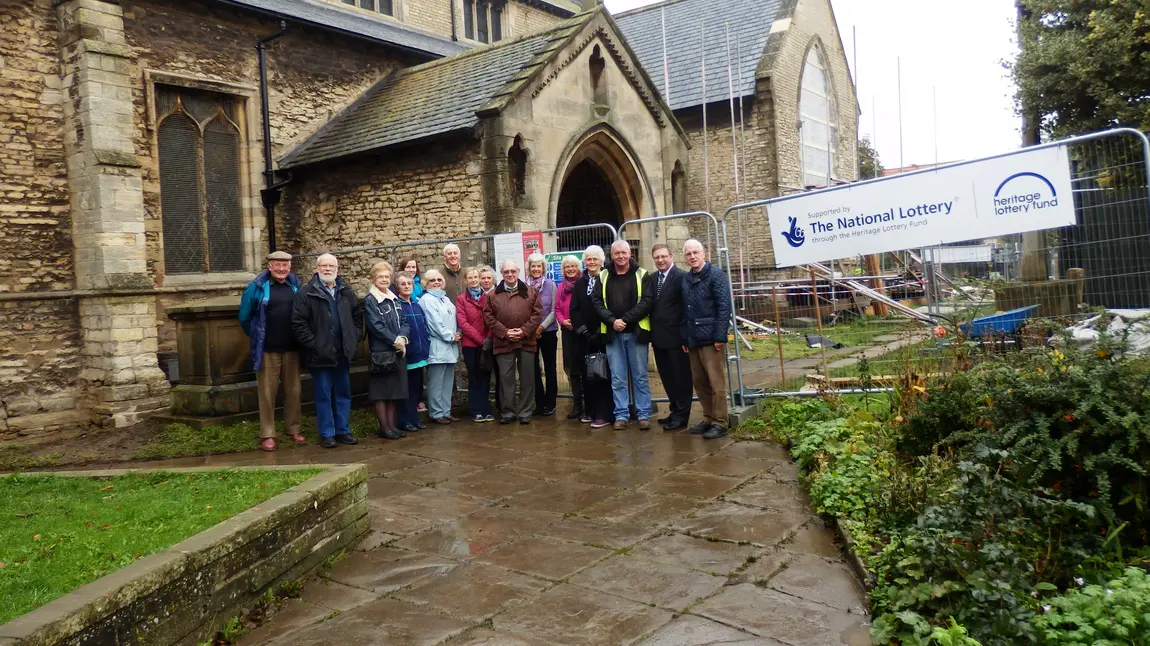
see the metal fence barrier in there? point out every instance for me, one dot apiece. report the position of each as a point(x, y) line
point(873, 317)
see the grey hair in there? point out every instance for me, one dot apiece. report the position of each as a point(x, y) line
point(692, 241)
point(327, 256)
point(514, 263)
point(449, 246)
point(536, 257)
point(594, 251)
point(571, 259)
point(486, 269)
point(622, 244)
point(428, 274)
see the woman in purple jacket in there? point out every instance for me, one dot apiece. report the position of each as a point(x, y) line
point(548, 336)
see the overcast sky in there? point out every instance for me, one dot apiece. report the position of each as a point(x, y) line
point(952, 49)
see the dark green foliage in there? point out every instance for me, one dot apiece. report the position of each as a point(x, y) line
point(984, 494)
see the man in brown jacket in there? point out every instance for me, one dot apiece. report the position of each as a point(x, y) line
point(513, 313)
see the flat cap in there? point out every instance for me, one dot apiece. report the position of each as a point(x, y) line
point(279, 255)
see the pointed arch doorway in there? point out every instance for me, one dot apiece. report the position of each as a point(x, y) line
point(600, 182)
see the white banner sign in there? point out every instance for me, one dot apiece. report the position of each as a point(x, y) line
point(1024, 191)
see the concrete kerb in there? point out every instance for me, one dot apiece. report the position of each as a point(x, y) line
point(338, 493)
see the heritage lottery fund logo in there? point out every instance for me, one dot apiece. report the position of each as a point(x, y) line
point(1025, 192)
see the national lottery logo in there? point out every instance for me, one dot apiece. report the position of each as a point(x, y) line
point(1024, 192)
point(795, 237)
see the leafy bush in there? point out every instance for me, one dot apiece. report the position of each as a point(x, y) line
point(1095, 615)
point(1008, 481)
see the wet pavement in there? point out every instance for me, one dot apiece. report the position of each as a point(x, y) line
point(552, 533)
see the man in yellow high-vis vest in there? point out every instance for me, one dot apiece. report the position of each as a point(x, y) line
point(623, 308)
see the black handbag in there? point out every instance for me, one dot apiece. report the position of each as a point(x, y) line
point(487, 356)
point(384, 362)
point(597, 369)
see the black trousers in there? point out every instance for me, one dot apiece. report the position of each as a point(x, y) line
point(574, 348)
point(675, 370)
point(598, 402)
point(546, 348)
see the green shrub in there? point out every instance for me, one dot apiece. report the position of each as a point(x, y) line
point(1095, 615)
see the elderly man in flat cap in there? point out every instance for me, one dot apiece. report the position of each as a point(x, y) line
point(265, 314)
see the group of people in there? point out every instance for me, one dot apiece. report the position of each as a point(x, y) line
point(418, 324)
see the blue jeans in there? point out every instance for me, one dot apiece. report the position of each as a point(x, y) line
point(332, 399)
point(625, 354)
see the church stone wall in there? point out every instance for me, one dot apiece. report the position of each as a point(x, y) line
point(430, 192)
point(311, 76)
point(39, 345)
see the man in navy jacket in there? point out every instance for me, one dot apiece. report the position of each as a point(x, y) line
point(706, 320)
point(265, 315)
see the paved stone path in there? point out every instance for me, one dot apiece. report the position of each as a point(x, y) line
point(552, 533)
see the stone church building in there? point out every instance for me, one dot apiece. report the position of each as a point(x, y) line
point(133, 150)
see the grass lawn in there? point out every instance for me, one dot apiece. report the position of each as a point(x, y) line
point(180, 440)
point(58, 533)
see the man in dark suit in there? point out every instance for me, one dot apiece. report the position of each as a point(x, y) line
point(674, 365)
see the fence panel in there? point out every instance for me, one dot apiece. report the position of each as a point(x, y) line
point(862, 320)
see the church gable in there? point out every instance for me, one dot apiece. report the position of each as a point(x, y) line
point(601, 33)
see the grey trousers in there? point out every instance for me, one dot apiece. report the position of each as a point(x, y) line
point(510, 405)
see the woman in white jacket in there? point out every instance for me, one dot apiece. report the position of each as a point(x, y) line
point(443, 331)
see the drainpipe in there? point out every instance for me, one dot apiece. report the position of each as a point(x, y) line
point(451, 6)
point(270, 195)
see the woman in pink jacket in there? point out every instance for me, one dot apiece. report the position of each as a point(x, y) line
point(469, 315)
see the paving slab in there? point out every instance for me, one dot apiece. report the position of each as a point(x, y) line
point(642, 507)
point(694, 553)
point(474, 534)
point(488, 637)
point(392, 461)
point(815, 539)
point(597, 531)
point(386, 569)
point(731, 522)
point(431, 472)
point(613, 475)
point(693, 485)
point(375, 538)
point(548, 466)
point(470, 454)
point(726, 465)
point(690, 630)
point(389, 522)
point(821, 581)
point(491, 484)
point(659, 584)
point(648, 457)
point(571, 615)
point(385, 622)
point(430, 504)
point(771, 494)
point(772, 614)
point(336, 596)
point(474, 591)
point(561, 497)
point(549, 558)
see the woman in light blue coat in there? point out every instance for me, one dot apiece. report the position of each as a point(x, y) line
point(443, 329)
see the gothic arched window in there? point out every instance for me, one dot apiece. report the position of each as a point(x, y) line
point(818, 124)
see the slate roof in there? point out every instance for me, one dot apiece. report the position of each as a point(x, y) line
point(331, 16)
point(435, 98)
point(689, 24)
